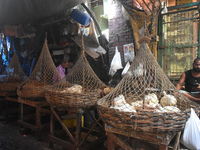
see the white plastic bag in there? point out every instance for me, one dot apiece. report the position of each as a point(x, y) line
point(116, 63)
point(191, 134)
point(125, 68)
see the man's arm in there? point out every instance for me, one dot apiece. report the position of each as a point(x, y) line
point(181, 81)
point(179, 85)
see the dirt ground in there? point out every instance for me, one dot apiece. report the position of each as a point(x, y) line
point(11, 139)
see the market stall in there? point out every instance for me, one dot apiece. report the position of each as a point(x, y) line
point(77, 93)
point(32, 91)
point(145, 102)
point(12, 76)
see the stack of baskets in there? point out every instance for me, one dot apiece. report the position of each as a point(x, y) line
point(145, 99)
point(79, 90)
point(43, 75)
point(12, 76)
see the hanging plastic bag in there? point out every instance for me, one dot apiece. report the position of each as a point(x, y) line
point(125, 68)
point(115, 63)
point(191, 134)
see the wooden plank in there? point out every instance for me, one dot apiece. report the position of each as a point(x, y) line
point(61, 142)
point(12, 99)
point(156, 138)
point(177, 142)
point(110, 143)
point(63, 125)
point(21, 111)
point(78, 128)
point(69, 116)
point(91, 129)
point(33, 103)
point(8, 94)
point(37, 117)
point(27, 125)
point(163, 147)
point(27, 102)
point(118, 141)
point(44, 110)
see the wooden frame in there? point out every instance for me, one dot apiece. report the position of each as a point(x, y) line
point(40, 107)
point(78, 141)
point(160, 139)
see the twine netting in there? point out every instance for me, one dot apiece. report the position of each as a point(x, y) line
point(80, 89)
point(44, 74)
point(145, 99)
point(12, 76)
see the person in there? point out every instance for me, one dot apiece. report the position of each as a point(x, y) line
point(63, 66)
point(61, 69)
point(191, 78)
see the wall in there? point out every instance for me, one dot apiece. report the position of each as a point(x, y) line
point(118, 32)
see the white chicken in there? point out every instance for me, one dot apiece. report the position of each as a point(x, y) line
point(151, 98)
point(75, 89)
point(168, 100)
point(137, 104)
point(119, 100)
point(171, 109)
point(121, 104)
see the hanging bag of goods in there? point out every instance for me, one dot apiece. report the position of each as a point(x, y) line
point(79, 90)
point(43, 75)
point(12, 76)
point(145, 99)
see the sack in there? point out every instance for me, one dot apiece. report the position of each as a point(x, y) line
point(191, 134)
point(115, 63)
point(125, 68)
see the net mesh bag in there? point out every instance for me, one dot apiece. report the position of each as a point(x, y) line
point(79, 90)
point(44, 74)
point(145, 99)
point(12, 76)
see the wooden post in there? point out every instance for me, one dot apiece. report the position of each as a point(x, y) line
point(21, 112)
point(177, 142)
point(78, 126)
point(163, 147)
point(110, 142)
point(51, 129)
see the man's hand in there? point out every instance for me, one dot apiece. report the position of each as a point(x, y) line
point(196, 88)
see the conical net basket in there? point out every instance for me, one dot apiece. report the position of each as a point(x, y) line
point(12, 76)
point(44, 74)
point(79, 90)
point(145, 99)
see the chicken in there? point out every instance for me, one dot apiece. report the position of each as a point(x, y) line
point(151, 98)
point(168, 100)
point(171, 109)
point(75, 89)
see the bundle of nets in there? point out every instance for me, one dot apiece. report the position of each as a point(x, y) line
point(44, 74)
point(12, 76)
point(145, 99)
point(79, 90)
